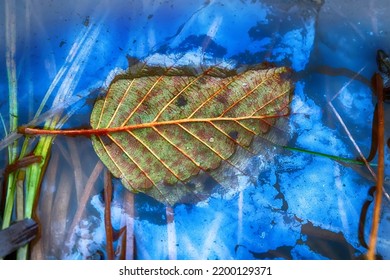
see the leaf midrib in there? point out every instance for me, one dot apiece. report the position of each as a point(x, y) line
point(103, 131)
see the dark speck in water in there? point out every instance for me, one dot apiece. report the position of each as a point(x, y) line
point(98, 255)
point(327, 243)
point(86, 21)
point(282, 252)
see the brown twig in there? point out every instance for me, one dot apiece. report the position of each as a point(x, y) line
point(107, 215)
point(128, 222)
point(120, 236)
point(21, 163)
point(122, 255)
point(380, 173)
point(86, 195)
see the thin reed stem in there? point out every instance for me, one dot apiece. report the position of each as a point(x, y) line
point(380, 171)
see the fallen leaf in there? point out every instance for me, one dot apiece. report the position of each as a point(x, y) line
point(160, 127)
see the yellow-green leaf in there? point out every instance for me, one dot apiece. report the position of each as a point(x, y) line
point(157, 128)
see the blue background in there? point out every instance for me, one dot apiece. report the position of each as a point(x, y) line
point(302, 206)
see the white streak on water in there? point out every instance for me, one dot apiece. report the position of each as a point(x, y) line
point(212, 236)
point(239, 216)
point(352, 139)
point(172, 253)
point(340, 199)
point(214, 27)
point(76, 68)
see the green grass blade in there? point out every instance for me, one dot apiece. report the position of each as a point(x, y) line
point(10, 38)
point(337, 158)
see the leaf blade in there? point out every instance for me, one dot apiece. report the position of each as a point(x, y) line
point(166, 126)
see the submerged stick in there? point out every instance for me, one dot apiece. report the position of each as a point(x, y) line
point(107, 215)
point(380, 173)
point(85, 197)
point(17, 235)
point(128, 223)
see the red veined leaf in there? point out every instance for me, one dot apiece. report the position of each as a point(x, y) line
point(158, 128)
point(163, 126)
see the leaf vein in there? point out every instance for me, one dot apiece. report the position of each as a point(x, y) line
point(271, 101)
point(121, 102)
point(180, 92)
point(154, 154)
point(211, 97)
point(178, 148)
point(143, 99)
point(244, 97)
point(203, 142)
point(129, 156)
point(231, 138)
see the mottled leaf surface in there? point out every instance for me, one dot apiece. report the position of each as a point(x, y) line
point(167, 125)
